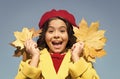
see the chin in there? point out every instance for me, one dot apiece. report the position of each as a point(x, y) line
point(57, 51)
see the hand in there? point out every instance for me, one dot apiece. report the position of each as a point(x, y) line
point(76, 51)
point(31, 47)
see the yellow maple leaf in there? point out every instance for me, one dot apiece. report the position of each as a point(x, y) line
point(93, 39)
point(21, 37)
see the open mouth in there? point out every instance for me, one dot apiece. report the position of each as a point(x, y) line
point(57, 43)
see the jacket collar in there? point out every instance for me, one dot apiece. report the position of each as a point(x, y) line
point(47, 66)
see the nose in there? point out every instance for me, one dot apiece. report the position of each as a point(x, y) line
point(56, 35)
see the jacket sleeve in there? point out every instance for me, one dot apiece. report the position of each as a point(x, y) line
point(26, 71)
point(82, 70)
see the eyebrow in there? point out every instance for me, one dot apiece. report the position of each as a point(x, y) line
point(50, 27)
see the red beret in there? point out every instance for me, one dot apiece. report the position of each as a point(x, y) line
point(53, 13)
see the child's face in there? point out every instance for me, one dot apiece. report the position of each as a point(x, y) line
point(56, 36)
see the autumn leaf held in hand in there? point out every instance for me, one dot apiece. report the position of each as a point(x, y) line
point(93, 39)
point(21, 37)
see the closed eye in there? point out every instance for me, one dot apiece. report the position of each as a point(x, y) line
point(62, 31)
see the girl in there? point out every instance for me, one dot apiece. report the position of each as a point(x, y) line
point(56, 55)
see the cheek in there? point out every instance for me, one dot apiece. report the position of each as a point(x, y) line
point(47, 37)
point(65, 36)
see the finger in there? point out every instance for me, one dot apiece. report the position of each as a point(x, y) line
point(81, 44)
point(73, 47)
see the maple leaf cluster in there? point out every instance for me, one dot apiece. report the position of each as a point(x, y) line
point(93, 38)
point(21, 37)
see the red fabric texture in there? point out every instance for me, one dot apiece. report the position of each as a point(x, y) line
point(57, 60)
point(53, 13)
